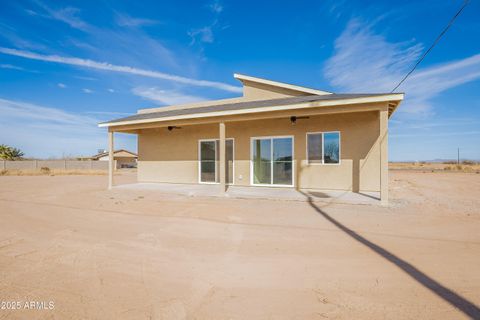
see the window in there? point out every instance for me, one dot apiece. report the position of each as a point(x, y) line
point(209, 159)
point(272, 161)
point(323, 148)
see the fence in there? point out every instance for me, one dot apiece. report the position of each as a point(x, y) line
point(54, 164)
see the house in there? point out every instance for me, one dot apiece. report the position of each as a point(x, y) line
point(275, 135)
point(123, 158)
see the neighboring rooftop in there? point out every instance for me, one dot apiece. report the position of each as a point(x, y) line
point(117, 153)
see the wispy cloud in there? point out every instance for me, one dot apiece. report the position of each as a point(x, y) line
point(61, 85)
point(215, 6)
point(167, 97)
point(110, 90)
point(116, 68)
point(116, 43)
point(48, 131)
point(108, 113)
point(68, 15)
point(85, 78)
point(11, 35)
point(206, 34)
point(10, 66)
point(364, 61)
point(125, 20)
point(87, 90)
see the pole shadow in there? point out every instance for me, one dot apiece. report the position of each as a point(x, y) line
point(459, 302)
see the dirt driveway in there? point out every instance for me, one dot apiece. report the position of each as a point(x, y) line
point(98, 254)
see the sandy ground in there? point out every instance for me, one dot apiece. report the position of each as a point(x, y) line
point(123, 254)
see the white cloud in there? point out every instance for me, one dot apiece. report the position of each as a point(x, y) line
point(116, 68)
point(205, 34)
point(111, 90)
point(167, 97)
point(215, 6)
point(85, 78)
point(48, 131)
point(62, 85)
point(87, 90)
point(124, 20)
point(364, 61)
point(10, 66)
point(68, 15)
point(108, 113)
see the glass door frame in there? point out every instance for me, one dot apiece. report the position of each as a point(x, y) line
point(216, 164)
point(271, 161)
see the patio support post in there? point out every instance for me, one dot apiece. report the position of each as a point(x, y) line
point(110, 159)
point(384, 157)
point(222, 156)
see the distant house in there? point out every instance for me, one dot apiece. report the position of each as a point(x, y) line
point(123, 158)
point(275, 135)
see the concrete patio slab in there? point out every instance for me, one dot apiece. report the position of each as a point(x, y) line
point(268, 193)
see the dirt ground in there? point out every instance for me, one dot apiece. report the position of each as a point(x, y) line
point(464, 166)
point(122, 254)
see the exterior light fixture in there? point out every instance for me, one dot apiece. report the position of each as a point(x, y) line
point(293, 119)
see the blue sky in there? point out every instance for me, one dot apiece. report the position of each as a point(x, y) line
point(64, 67)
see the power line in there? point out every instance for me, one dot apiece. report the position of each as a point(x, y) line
point(433, 44)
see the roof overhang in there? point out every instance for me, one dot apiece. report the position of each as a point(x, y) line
point(393, 101)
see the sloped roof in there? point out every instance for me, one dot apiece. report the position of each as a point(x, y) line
point(251, 107)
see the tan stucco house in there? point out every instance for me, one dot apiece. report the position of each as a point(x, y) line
point(123, 158)
point(275, 135)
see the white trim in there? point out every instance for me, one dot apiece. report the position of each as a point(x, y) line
point(199, 161)
point(323, 163)
point(271, 161)
point(305, 105)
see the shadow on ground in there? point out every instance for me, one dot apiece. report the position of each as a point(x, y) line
point(459, 302)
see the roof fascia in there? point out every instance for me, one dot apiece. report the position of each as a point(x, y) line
point(304, 105)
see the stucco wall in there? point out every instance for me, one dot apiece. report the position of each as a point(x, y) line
point(259, 91)
point(172, 156)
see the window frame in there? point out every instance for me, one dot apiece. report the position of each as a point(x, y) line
point(199, 161)
point(271, 161)
point(323, 163)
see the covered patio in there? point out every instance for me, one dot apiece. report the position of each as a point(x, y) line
point(265, 193)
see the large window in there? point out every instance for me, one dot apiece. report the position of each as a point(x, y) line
point(272, 161)
point(209, 157)
point(323, 148)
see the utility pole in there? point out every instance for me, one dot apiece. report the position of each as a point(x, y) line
point(458, 155)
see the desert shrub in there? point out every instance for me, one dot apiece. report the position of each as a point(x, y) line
point(450, 162)
point(458, 167)
point(447, 168)
point(45, 170)
point(468, 162)
point(3, 172)
point(10, 153)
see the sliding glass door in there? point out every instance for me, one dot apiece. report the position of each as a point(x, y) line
point(272, 161)
point(209, 161)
